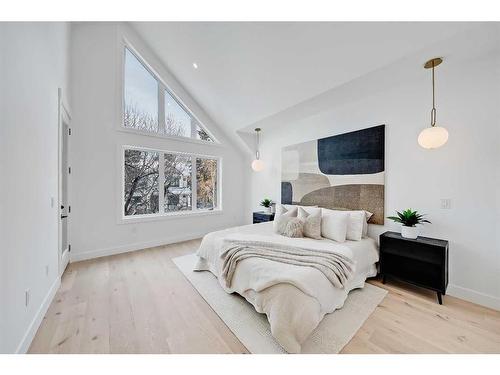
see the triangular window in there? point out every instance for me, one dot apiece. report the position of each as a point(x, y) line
point(148, 106)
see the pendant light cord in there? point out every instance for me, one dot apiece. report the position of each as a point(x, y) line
point(257, 153)
point(433, 110)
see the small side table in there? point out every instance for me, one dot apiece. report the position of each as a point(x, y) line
point(261, 217)
point(422, 261)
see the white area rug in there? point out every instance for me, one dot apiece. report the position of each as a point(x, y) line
point(253, 330)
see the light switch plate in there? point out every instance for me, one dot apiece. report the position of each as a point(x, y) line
point(446, 203)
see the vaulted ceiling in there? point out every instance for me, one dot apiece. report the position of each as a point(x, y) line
point(249, 71)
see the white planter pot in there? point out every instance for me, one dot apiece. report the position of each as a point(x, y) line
point(267, 210)
point(409, 232)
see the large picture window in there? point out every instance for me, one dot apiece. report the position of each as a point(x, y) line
point(149, 107)
point(177, 185)
point(164, 183)
point(141, 182)
point(206, 183)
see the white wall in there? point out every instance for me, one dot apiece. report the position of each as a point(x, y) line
point(466, 169)
point(95, 184)
point(34, 65)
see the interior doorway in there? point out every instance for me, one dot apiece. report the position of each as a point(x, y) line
point(64, 211)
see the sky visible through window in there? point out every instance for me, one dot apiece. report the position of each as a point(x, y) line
point(178, 121)
point(141, 88)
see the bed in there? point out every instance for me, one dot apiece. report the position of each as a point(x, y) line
point(294, 298)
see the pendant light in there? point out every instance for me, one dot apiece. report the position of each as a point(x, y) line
point(257, 164)
point(435, 136)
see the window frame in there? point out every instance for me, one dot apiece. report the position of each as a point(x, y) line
point(162, 215)
point(162, 87)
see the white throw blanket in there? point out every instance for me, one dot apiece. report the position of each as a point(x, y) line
point(336, 266)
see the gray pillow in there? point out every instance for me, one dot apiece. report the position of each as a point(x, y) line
point(281, 213)
point(312, 222)
point(290, 227)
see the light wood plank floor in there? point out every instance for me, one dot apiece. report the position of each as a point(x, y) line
point(141, 303)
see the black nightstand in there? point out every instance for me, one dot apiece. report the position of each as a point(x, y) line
point(422, 261)
point(261, 217)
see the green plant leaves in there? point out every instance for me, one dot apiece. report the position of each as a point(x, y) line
point(409, 218)
point(266, 202)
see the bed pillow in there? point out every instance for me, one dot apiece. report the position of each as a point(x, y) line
point(357, 219)
point(365, 223)
point(311, 221)
point(282, 212)
point(280, 209)
point(357, 225)
point(309, 209)
point(334, 225)
point(290, 227)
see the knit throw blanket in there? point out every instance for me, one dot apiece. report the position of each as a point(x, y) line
point(337, 267)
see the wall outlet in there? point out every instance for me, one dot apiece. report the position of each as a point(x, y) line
point(47, 270)
point(52, 201)
point(446, 203)
point(27, 295)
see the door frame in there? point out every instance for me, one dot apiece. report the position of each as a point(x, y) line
point(64, 116)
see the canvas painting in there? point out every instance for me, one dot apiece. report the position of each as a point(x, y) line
point(344, 172)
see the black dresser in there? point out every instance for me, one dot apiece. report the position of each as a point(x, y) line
point(261, 217)
point(422, 261)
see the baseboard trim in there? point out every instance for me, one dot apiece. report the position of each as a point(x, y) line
point(25, 343)
point(474, 296)
point(76, 257)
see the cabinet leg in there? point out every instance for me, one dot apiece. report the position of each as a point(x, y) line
point(383, 279)
point(440, 300)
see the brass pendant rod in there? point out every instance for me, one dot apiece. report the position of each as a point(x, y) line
point(257, 153)
point(431, 64)
point(433, 111)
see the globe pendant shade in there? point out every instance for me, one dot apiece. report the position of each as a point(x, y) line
point(433, 137)
point(257, 165)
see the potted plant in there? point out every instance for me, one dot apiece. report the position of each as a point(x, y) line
point(266, 203)
point(409, 220)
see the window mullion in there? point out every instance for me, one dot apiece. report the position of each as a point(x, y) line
point(194, 184)
point(161, 108)
point(193, 127)
point(161, 187)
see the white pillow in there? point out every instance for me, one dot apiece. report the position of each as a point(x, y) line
point(365, 223)
point(281, 212)
point(357, 226)
point(334, 225)
point(280, 209)
point(309, 209)
point(312, 222)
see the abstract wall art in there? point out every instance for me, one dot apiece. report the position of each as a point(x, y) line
point(344, 172)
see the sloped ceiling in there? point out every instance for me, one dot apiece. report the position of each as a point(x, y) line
point(250, 71)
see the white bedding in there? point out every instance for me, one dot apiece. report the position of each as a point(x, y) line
point(294, 298)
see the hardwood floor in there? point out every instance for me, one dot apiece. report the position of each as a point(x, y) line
point(141, 303)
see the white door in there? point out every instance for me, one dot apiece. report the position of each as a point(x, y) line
point(64, 173)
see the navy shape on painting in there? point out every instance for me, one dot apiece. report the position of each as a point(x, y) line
point(286, 192)
point(358, 152)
